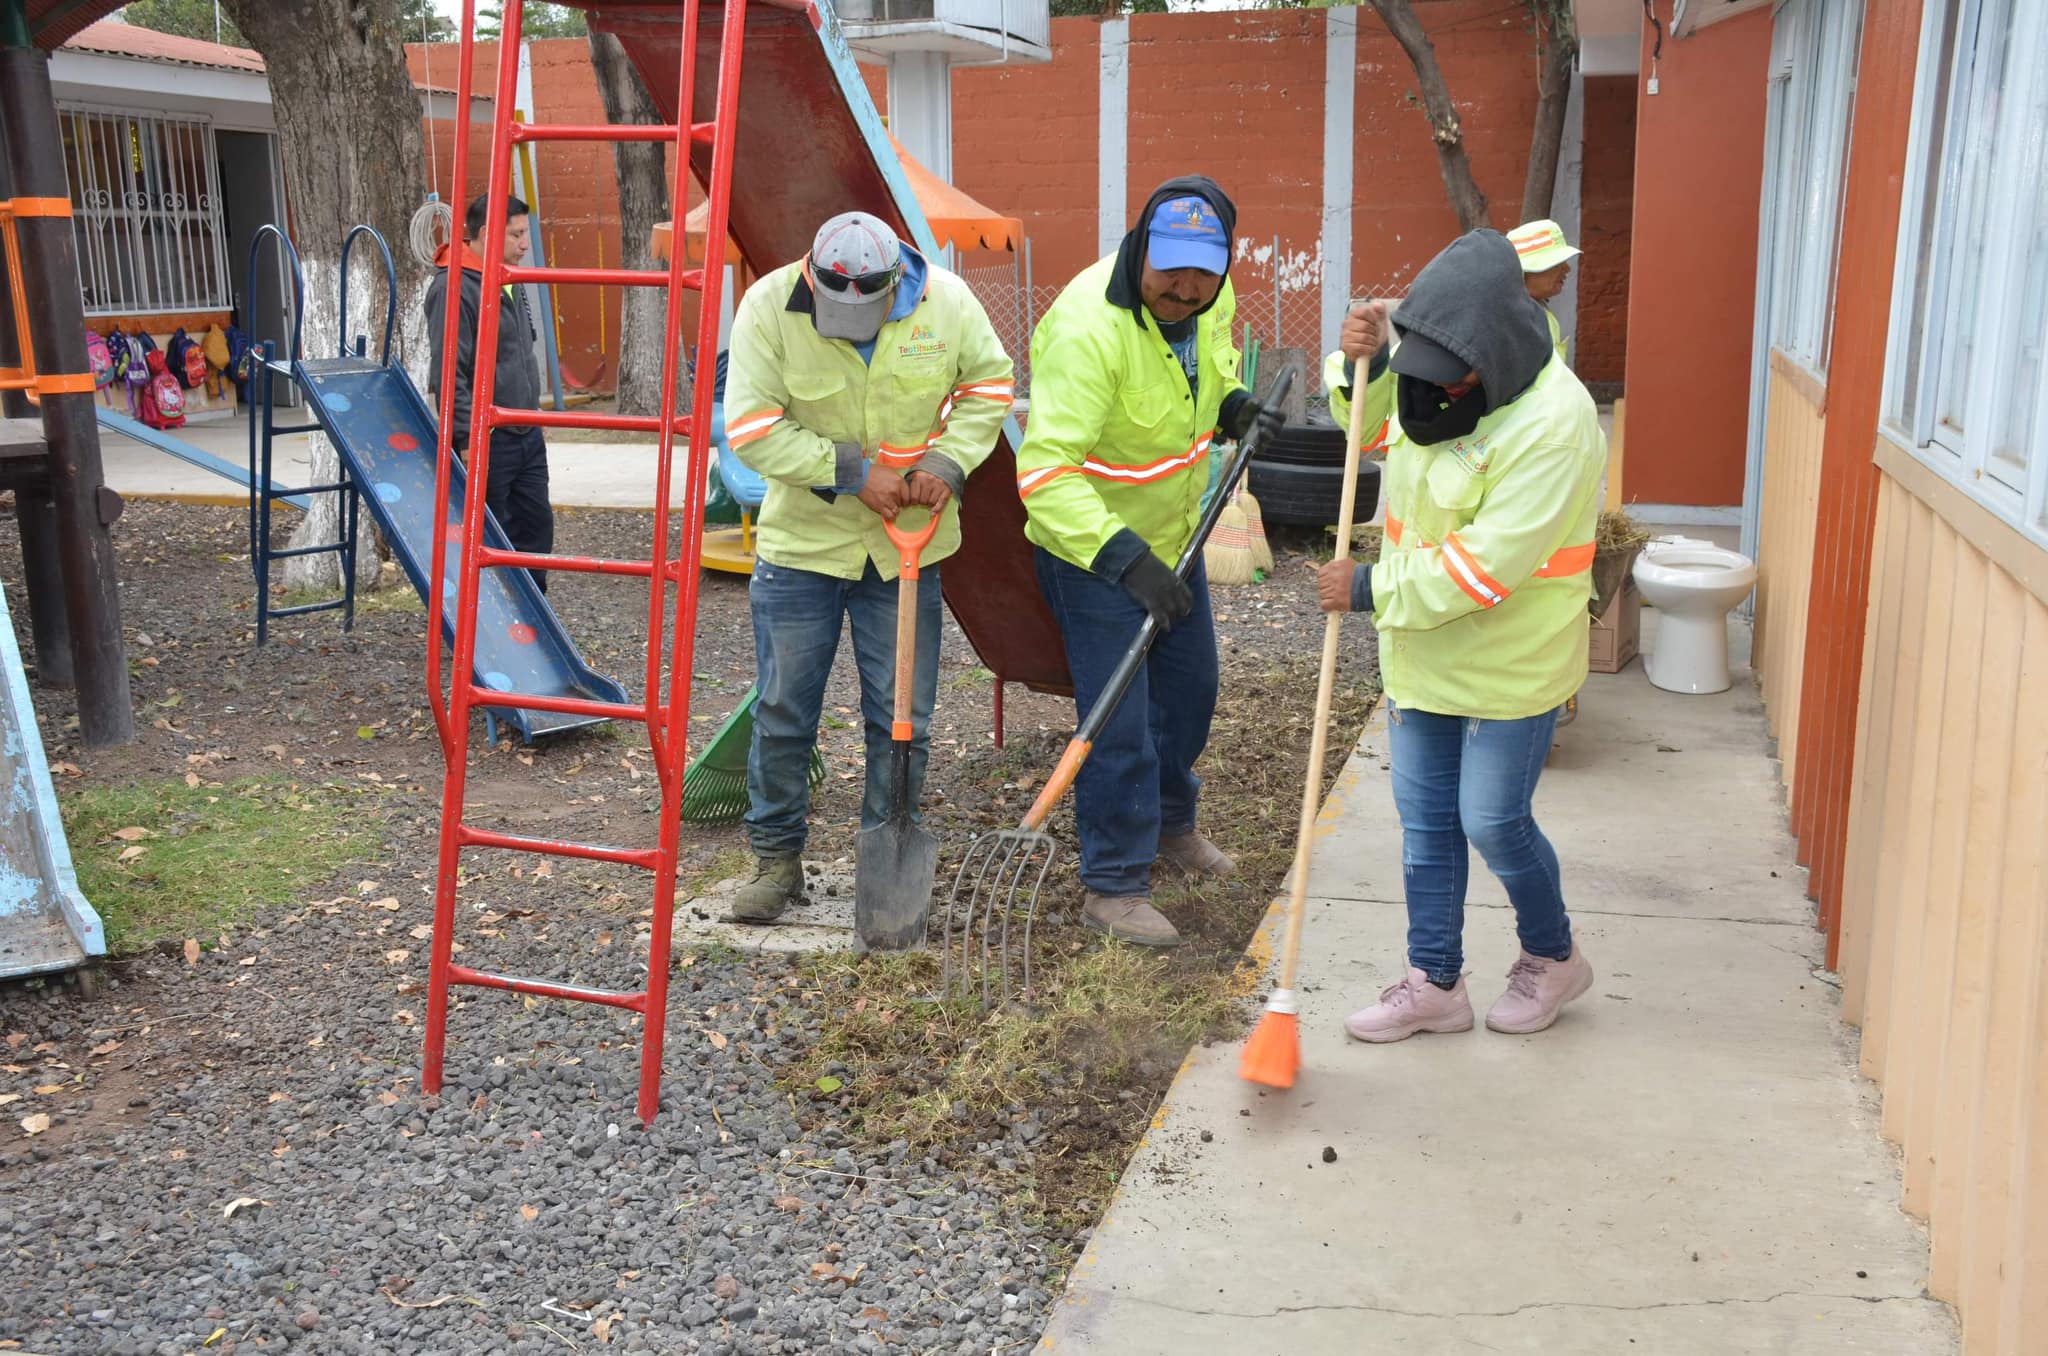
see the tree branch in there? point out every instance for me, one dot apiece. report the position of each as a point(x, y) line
point(1466, 199)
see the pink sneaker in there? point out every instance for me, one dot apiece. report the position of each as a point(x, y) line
point(1413, 1005)
point(1537, 990)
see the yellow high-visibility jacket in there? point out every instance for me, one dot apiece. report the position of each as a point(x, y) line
point(939, 386)
point(1485, 572)
point(1115, 440)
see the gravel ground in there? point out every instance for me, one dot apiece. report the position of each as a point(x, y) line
point(236, 1151)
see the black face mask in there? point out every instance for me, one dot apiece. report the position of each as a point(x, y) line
point(1430, 416)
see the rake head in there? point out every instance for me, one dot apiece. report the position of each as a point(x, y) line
point(994, 898)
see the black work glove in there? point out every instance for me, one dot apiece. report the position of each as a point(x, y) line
point(1240, 412)
point(1158, 590)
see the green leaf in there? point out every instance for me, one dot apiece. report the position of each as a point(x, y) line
point(829, 1085)
point(366, 732)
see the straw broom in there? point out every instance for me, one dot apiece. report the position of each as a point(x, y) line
point(1228, 555)
point(1272, 1054)
point(1237, 550)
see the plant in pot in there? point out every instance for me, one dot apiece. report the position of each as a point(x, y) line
point(1616, 544)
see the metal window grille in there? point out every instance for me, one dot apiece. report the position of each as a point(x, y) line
point(146, 212)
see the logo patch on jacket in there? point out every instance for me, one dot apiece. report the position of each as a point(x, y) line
point(924, 342)
point(1473, 454)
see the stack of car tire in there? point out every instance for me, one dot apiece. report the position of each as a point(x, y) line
point(1298, 475)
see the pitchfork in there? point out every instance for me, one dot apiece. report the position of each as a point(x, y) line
point(1004, 872)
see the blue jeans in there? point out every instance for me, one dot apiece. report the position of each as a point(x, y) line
point(797, 619)
point(1139, 780)
point(1460, 781)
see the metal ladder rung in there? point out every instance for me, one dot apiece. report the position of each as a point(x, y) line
point(635, 1001)
point(331, 605)
point(501, 417)
point(638, 569)
point(565, 706)
point(328, 549)
point(700, 132)
point(471, 836)
point(692, 279)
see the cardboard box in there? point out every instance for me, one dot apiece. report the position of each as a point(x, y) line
point(1617, 633)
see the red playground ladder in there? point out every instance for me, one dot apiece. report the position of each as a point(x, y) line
point(664, 711)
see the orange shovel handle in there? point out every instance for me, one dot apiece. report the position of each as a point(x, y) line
point(909, 545)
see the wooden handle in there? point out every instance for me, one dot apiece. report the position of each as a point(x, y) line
point(908, 547)
point(1326, 682)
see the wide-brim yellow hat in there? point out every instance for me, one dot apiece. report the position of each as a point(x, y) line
point(1541, 245)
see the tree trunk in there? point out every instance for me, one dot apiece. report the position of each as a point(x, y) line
point(348, 123)
point(1557, 46)
point(1466, 199)
point(642, 169)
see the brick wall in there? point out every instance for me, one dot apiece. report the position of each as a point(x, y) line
point(1236, 95)
point(1607, 210)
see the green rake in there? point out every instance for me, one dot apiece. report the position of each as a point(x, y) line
point(715, 785)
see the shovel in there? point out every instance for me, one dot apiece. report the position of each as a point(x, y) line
point(894, 862)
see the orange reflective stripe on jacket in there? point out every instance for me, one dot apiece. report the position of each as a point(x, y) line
point(1465, 570)
point(1004, 392)
point(748, 427)
point(1032, 481)
point(1568, 560)
point(901, 458)
point(1480, 586)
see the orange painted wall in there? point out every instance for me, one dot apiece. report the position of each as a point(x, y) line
point(1237, 95)
point(1692, 290)
point(1847, 511)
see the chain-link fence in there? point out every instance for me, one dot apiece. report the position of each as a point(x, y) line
point(1276, 318)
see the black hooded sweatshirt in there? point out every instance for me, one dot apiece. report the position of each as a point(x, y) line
point(1471, 300)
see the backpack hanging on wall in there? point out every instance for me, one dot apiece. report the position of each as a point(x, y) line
point(214, 347)
point(185, 360)
point(140, 346)
point(101, 359)
point(163, 402)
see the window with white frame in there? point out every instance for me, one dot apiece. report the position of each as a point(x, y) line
point(1967, 367)
point(146, 212)
point(1813, 70)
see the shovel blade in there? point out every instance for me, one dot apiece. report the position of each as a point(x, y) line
point(894, 866)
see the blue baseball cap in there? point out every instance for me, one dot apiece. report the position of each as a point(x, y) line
point(1187, 233)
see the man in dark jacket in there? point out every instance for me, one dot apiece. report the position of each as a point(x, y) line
point(517, 488)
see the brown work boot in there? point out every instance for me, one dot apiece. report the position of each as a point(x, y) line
point(1196, 855)
point(776, 883)
point(1129, 918)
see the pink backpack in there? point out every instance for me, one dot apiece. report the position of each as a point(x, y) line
point(163, 403)
point(102, 359)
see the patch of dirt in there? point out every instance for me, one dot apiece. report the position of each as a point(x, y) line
point(320, 705)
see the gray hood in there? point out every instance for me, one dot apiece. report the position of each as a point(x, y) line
point(1472, 301)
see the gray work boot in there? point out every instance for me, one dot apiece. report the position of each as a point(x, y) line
point(1196, 855)
point(1129, 918)
point(775, 886)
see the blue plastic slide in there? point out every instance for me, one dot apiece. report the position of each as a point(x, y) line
point(379, 423)
point(45, 923)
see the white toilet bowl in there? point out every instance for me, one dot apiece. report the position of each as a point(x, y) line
point(1693, 584)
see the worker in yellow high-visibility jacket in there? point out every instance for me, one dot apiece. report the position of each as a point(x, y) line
point(862, 380)
point(1132, 374)
point(1491, 501)
point(1546, 258)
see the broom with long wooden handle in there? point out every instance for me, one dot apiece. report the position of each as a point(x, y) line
point(1272, 1054)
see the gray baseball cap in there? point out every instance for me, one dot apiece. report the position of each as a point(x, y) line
point(854, 266)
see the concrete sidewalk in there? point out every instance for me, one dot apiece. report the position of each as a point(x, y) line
point(1686, 1165)
point(580, 475)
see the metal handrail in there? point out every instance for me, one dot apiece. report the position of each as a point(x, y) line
point(390, 291)
point(284, 242)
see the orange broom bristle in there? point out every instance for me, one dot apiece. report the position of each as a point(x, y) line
point(1272, 1053)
